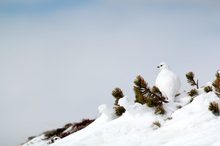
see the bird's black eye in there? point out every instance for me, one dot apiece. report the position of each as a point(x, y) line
point(161, 65)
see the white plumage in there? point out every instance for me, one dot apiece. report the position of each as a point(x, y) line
point(167, 81)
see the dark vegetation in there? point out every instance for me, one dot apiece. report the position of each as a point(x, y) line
point(214, 108)
point(216, 83)
point(191, 80)
point(151, 97)
point(208, 89)
point(157, 123)
point(118, 94)
point(66, 130)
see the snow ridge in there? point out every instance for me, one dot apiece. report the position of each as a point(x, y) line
point(191, 125)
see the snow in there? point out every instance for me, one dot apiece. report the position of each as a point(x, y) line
point(191, 125)
point(38, 141)
point(167, 81)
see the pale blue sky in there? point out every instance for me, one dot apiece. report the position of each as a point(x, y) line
point(59, 60)
point(21, 7)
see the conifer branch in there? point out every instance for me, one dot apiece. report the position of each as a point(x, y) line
point(151, 97)
point(157, 123)
point(208, 89)
point(191, 80)
point(193, 93)
point(119, 110)
point(117, 93)
point(159, 110)
point(214, 108)
point(216, 83)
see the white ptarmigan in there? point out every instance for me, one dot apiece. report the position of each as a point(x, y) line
point(167, 81)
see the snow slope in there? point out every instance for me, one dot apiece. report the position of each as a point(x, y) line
point(191, 125)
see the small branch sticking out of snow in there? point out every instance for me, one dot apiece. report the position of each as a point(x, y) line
point(208, 89)
point(156, 125)
point(118, 94)
point(214, 108)
point(216, 84)
point(193, 93)
point(190, 79)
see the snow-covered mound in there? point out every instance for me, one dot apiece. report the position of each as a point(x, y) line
point(192, 125)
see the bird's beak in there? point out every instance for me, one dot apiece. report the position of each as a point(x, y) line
point(158, 66)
